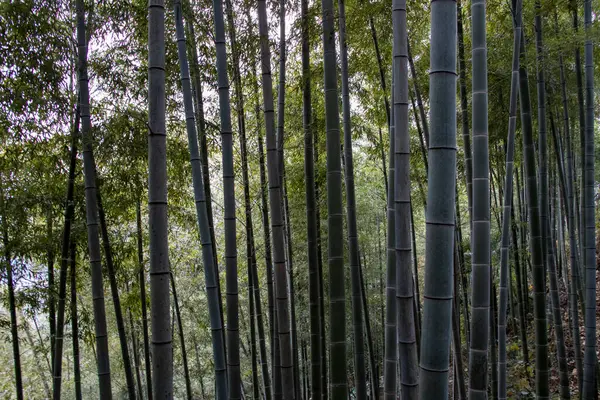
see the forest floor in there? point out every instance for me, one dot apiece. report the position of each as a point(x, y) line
point(521, 382)
point(521, 385)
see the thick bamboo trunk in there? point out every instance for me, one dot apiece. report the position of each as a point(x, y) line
point(337, 296)
point(390, 358)
point(231, 268)
point(437, 309)
point(480, 239)
point(407, 342)
point(357, 312)
point(589, 360)
point(89, 172)
point(282, 325)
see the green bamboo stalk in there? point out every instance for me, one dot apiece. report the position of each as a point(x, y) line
point(554, 297)
point(507, 205)
point(282, 319)
point(337, 298)
point(574, 248)
point(311, 215)
point(11, 301)
point(535, 240)
point(142, 283)
point(542, 149)
point(589, 357)
point(202, 215)
point(231, 270)
point(390, 358)
point(464, 110)
point(357, 315)
point(74, 320)
point(89, 172)
point(437, 310)
point(480, 239)
point(405, 318)
point(186, 370)
point(64, 263)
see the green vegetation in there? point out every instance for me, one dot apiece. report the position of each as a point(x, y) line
point(298, 233)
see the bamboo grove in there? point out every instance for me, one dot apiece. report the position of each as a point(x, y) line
point(181, 219)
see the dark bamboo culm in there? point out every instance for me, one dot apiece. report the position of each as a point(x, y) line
point(231, 268)
point(11, 299)
point(535, 239)
point(357, 311)
point(507, 204)
point(142, 283)
point(480, 238)
point(390, 358)
point(337, 297)
point(589, 359)
point(116, 300)
point(282, 320)
point(405, 317)
point(64, 262)
point(74, 320)
point(309, 171)
point(202, 214)
point(440, 219)
point(186, 369)
point(91, 206)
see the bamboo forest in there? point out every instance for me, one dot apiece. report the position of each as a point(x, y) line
point(299, 200)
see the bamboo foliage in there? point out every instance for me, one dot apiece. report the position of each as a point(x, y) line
point(409, 341)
